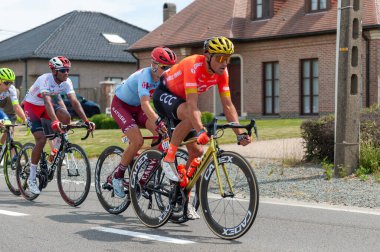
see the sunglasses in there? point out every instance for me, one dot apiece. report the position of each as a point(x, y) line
point(64, 70)
point(7, 83)
point(222, 58)
point(163, 67)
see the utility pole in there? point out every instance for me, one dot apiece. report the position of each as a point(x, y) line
point(348, 87)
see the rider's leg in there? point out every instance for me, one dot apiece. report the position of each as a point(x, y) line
point(135, 143)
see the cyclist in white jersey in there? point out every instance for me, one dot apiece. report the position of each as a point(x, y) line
point(38, 104)
point(8, 94)
point(131, 108)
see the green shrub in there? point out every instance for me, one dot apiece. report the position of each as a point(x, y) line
point(207, 117)
point(319, 138)
point(369, 159)
point(102, 121)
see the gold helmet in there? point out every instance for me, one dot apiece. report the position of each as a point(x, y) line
point(220, 45)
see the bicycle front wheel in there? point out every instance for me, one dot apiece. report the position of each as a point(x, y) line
point(23, 170)
point(144, 189)
point(10, 161)
point(74, 175)
point(107, 162)
point(232, 214)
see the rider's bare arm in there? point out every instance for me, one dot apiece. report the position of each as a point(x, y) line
point(77, 106)
point(193, 111)
point(49, 106)
point(148, 110)
point(230, 112)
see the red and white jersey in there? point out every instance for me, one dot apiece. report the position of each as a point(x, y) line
point(45, 84)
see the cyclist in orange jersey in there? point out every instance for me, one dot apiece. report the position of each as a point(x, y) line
point(177, 98)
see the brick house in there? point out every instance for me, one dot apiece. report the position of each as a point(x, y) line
point(94, 42)
point(284, 62)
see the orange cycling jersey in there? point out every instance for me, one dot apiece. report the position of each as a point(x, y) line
point(191, 76)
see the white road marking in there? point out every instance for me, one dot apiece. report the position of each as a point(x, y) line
point(5, 212)
point(350, 209)
point(143, 235)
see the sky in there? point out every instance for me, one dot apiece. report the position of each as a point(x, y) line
point(23, 15)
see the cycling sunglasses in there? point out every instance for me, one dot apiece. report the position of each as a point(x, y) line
point(222, 58)
point(7, 83)
point(164, 67)
point(64, 70)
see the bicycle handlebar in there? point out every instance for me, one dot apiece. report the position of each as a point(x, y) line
point(213, 127)
point(77, 126)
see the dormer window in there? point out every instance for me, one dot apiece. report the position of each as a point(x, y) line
point(317, 5)
point(262, 9)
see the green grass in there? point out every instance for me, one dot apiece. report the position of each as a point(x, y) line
point(267, 129)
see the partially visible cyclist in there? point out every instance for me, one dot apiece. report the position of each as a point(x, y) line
point(38, 104)
point(177, 98)
point(9, 101)
point(131, 108)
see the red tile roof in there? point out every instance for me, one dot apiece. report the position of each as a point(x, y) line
point(231, 18)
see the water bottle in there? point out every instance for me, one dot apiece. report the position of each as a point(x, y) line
point(193, 167)
point(182, 175)
point(165, 143)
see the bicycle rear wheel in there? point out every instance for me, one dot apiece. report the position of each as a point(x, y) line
point(23, 169)
point(106, 164)
point(229, 216)
point(143, 188)
point(74, 176)
point(10, 160)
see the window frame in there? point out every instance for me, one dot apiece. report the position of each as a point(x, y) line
point(309, 10)
point(273, 96)
point(268, 12)
point(311, 86)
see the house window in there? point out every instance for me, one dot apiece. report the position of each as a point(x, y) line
point(262, 9)
point(309, 87)
point(317, 5)
point(117, 80)
point(271, 88)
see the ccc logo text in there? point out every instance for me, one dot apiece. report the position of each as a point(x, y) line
point(167, 98)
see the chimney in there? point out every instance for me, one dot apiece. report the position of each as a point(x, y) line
point(170, 9)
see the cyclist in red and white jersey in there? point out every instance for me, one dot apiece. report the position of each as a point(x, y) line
point(177, 98)
point(38, 104)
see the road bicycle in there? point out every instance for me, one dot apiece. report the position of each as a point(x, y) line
point(228, 191)
point(105, 166)
point(8, 155)
point(70, 161)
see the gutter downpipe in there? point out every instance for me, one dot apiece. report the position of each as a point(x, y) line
point(339, 9)
point(26, 75)
point(367, 65)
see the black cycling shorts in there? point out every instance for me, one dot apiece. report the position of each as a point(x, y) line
point(166, 103)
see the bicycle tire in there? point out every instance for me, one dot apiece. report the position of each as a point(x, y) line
point(10, 168)
point(74, 177)
point(143, 188)
point(232, 215)
point(23, 169)
point(106, 164)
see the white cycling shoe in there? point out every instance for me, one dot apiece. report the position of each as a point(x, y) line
point(191, 213)
point(33, 187)
point(170, 171)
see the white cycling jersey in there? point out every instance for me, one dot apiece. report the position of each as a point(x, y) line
point(46, 84)
point(12, 93)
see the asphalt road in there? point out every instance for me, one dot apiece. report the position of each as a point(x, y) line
point(48, 224)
